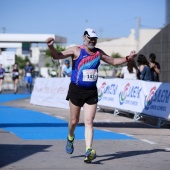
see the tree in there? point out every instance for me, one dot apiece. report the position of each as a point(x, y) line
point(55, 63)
point(21, 61)
point(58, 48)
point(116, 55)
point(107, 67)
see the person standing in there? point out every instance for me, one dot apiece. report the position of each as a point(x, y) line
point(15, 77)
point(28, 71)
point(82, 89)
point(67, 70)
point(144, 69)
point(154, 67)
point(2, 72)
point(129, 71)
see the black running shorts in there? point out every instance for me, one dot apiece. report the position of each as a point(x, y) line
point(79, 95)
point(14, 78)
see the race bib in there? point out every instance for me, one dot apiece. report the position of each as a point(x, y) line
point(28, 74)
point(16, 73)
point(90, 75)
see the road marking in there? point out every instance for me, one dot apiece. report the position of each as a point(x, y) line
point(106, 130)
point(167, 149)
point(44, 112)
point(126, 134)
point(148, 141)
point(60, 117)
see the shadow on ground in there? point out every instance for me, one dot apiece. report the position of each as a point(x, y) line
point(123, 154)
point(13, 153)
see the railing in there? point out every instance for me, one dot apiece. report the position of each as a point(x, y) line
point(8, 82)
point(131, 96)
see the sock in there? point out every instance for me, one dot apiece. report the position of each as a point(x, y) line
point(88, 148)
point(70, 138)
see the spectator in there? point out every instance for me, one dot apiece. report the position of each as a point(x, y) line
point(144, 69)
point(67, 70)
point(129, 71)
point(2, 72)
point(154, 67)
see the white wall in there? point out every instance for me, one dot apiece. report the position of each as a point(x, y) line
point(35, 55)
point(145, 35)
point(124, 45)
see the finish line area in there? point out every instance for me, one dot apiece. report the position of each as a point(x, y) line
point(34, 137)
point(33, 125)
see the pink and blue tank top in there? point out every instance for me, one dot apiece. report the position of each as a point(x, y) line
point(85, 69)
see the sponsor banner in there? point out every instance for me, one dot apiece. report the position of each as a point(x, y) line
point(157, 99)
point(120, 94)
point(50, 92)
point(151, 98)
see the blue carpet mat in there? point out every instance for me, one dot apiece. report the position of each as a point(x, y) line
point(33, 125)
point(10, 97)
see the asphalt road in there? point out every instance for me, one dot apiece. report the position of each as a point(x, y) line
point(150, 150)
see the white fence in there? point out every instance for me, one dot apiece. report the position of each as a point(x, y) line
point(151, 98)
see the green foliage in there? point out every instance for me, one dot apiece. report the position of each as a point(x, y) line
point(8, 68)
point(21, 61)
point(106, 68)
point(47, 64)
point(58, 48)
point(116, 55)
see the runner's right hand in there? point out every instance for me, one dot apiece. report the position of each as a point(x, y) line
point(50, 41)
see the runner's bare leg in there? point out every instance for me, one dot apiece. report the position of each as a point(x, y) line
point(74, 117)
point(89, 115)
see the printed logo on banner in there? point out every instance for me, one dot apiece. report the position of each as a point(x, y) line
point(157, 99)
point(148, 98)
point(123, 94)
point(108, 91)
point(129, 95)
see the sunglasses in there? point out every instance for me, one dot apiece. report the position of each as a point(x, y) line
point(92, 38)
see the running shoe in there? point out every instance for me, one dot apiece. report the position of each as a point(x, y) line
point(89, 155)
point(69, 146)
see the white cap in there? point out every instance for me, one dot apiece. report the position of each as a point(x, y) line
point(91, 33)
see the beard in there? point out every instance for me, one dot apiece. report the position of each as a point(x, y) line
point(89, 45)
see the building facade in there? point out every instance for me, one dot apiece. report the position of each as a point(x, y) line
point(124, 45)
point(160, 45)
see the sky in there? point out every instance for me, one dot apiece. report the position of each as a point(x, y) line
point(69, 18)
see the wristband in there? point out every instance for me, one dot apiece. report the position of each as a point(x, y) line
point(127, 59)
